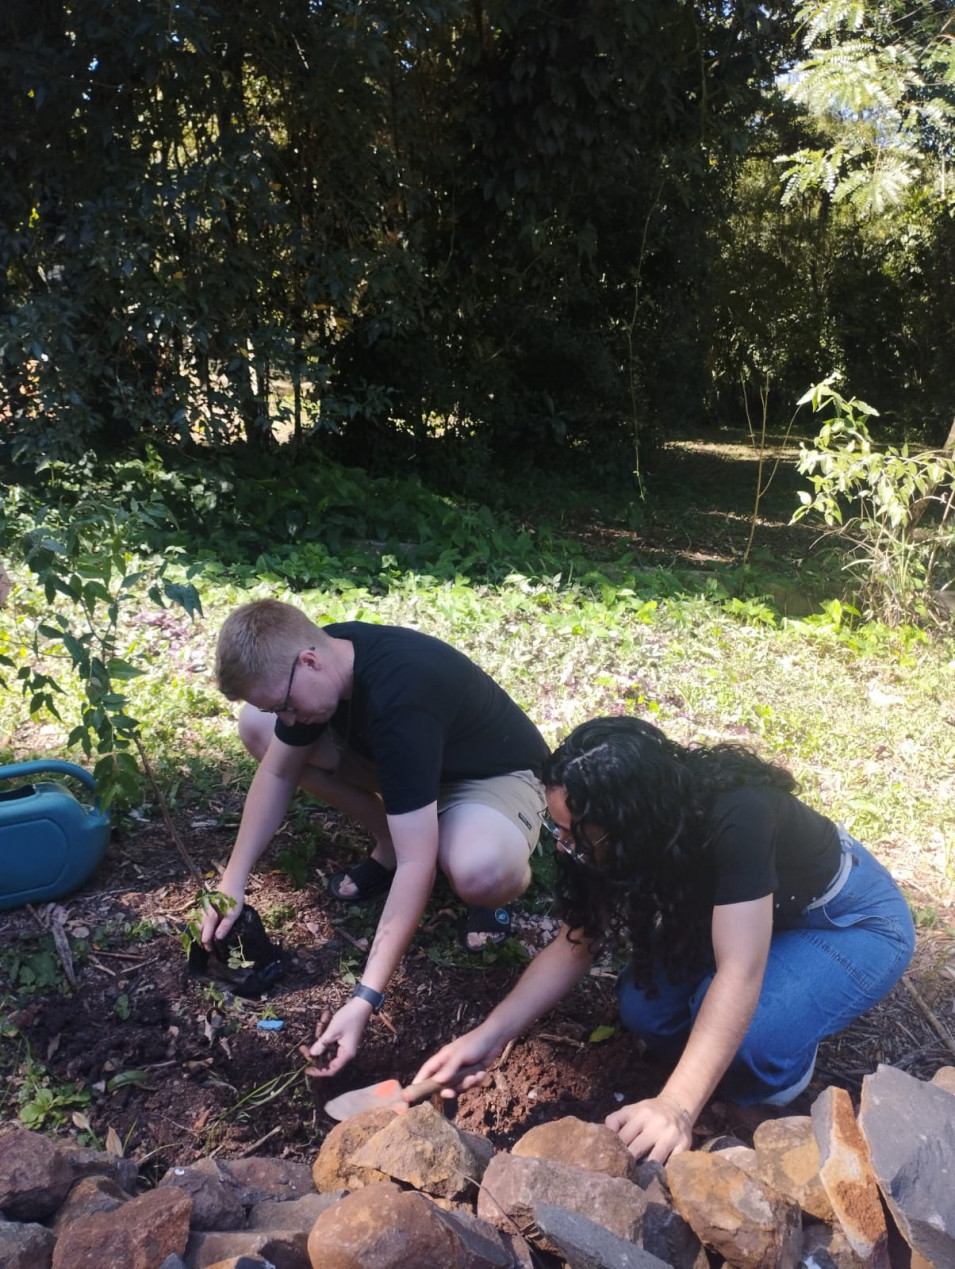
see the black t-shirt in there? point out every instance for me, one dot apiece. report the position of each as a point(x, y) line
point(765, 841)
point(423, 713)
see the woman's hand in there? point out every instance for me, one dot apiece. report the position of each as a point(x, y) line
point(476, 1048)
point(343, 1029)
point(653, 1129)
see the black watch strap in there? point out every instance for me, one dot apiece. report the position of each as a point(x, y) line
point(375, 998)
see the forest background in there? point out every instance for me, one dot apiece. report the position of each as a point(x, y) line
point(430, 314)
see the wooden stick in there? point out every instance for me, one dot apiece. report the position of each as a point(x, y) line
point(924, 1008)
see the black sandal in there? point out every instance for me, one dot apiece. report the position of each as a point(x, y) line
point(494, 922)
point(369, 878)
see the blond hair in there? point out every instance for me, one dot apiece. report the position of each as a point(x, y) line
point(258, 641)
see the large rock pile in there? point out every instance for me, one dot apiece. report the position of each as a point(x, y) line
point(825, 1191)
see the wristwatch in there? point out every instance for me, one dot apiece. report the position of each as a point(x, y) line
point(375, 998)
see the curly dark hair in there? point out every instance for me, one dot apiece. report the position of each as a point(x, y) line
point(652, 797)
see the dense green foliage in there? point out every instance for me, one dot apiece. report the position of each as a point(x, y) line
point(514, 227)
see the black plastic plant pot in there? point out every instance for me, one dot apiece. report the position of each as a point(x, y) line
point(246, 958)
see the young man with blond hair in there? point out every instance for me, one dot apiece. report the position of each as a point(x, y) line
point(407, 737)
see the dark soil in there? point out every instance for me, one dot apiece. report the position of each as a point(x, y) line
point(178, 1067)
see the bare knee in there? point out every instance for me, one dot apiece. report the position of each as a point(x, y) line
point(256, 730)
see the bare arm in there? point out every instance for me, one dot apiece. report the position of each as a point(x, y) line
point(266, 802)
point(415, 838)
point(661, 1126)
point(548, 978)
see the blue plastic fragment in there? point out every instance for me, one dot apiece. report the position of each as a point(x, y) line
point(270, 1024)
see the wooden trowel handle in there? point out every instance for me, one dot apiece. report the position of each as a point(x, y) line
point(427, 1088)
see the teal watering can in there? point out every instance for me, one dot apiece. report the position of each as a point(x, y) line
point(49, 841)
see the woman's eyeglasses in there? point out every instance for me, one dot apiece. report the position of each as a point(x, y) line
point(566, 843)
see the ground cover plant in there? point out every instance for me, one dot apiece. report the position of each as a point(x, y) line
point(582, 603)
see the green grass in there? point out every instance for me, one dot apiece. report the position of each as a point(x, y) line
point(861, 713)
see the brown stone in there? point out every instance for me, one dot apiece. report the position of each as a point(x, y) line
point(749, 1224)
point(333, 1168)
point(138, 1235)
point(215, 1203)
point(89, 1194)
point(944, 1078)
point(86, 1162)
point(260, 1178)
point(240, 1262)
point(300, 1213)
point(847, 1178)
point(380, 1227)
point(513, 1186)
point(281, 1248)
point(787, 1158)
point(25, 1246)
point(35, 1178)
point(585, 1145)
point(426, 1151)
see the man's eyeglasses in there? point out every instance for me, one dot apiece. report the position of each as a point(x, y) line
point(285, 707)
point(565, 841)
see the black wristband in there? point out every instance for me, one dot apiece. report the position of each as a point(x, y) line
point(375, 998)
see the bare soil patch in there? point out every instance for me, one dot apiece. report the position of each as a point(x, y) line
point(180, 1069)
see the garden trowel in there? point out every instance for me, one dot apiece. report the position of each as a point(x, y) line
point(388, 1095)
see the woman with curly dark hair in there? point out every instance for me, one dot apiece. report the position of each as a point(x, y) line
point(757, 926)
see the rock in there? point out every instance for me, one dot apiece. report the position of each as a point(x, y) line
point(481, 1244)
point(35, 1177)
point(652, 1179)
point(909, 1127)
point(25, 1246)
point(666, 1234)
point(380, 1227)
point(513, 1186)
point(89, 1194)
point(585, 1145)
point(847, 1177)
point(174, 1262)
point(243, 1262)
point(426, 1151)
point(742, 1157)
point(826, 1248)
point(944, 1077)
point(84, 1162)
point(138, 1235)
point(215, 1203)
point(301, 1213)
point(725, 1141)
point(333, 1168)
point(749, 1224)
point(787, 1158)
point(586, 1245)
point(260, 1178)
point(282, 1248)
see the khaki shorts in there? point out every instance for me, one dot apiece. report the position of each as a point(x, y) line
point(518, 795)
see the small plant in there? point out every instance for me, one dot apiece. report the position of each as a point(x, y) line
point(890, 492)
point(206, 900)
point(45, 1104)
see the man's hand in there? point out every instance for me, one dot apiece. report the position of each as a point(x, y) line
point(653, 1129)
point(344, 1030)
point(216, 924)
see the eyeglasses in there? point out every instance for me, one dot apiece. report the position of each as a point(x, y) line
point(285, 707)
point(566, 843)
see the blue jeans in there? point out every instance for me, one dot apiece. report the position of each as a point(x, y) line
point(845, 954)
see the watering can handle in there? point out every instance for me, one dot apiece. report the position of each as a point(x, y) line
point(20, 769)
